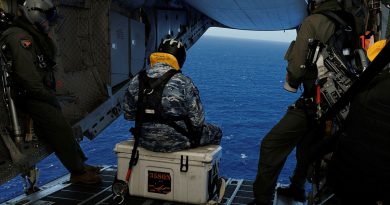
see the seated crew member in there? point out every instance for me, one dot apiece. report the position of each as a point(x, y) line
point(360, 166)
point(173, 117)
point(32, 52)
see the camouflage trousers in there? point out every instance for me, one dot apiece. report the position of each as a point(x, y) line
point(169, 140)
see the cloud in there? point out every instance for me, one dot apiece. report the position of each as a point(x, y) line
point(283, 36)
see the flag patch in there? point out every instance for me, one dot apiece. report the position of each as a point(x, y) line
point(25, 43)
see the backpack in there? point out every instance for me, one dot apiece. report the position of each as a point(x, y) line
point(334, 61)
point(345, 38)
point(359, 11)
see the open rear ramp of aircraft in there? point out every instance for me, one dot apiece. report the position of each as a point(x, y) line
point(102, 44)
point(60, 191)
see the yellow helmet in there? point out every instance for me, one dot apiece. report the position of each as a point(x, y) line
point(375, 49)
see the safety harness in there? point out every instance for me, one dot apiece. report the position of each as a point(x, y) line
point(342, 101)
point(150, 109)
point(336, 74)
point(152, 89)
point(345, 36)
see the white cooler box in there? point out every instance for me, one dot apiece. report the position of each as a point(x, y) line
point(185, 176)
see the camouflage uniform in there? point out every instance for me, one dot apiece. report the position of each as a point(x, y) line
point(291, 129)
point(180, 98)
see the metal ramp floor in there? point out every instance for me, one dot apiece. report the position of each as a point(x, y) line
point(61, 192)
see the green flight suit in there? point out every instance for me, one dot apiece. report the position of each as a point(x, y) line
point(291, 129)
point(387, 3)
point(360, 164)
point(34, 87)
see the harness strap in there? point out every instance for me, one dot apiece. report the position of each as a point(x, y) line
point(191, 133)
point(336, 18)
point(157, 86)
point(342, 26)
point(379, 63)
point(163, 80)
point(136, 131)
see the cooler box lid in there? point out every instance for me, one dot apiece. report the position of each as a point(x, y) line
point(202, 154)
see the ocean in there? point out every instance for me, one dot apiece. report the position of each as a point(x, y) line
point(241, 87)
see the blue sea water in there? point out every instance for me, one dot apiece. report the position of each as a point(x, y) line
point(241, 87)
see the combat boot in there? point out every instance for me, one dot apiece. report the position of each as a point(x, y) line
point(86, 178)
point(298, 194)
point(92, 169)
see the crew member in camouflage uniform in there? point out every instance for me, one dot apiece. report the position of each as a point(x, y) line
point(292, 128)
point(180, 100)
point(27, 45)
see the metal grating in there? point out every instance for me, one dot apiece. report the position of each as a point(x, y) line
point(236, 193)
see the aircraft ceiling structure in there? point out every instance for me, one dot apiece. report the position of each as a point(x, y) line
point(265, 15)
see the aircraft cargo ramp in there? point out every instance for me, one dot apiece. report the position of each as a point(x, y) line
point(61, 192)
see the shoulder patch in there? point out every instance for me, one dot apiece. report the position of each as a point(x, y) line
point(25, 43)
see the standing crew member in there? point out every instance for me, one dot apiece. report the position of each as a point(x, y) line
point(295, 124)
point(173, 116)
point(31, 51)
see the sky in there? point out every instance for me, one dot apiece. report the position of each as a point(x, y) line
point(283, 36)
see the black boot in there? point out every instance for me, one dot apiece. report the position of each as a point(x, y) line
point(298, 194)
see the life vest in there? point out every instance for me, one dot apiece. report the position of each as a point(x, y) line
point(151, 99)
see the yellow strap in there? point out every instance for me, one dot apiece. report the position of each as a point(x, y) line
point(164, 58)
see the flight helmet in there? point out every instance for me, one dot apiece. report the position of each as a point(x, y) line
point(320, 1)
point(175, 48)
point(5, 20)
point(311, 4)
point(38, 12)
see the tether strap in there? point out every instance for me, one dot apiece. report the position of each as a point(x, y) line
point(137, 127)
point(335, 17)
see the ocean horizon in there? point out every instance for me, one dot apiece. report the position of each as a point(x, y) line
point(241, 87)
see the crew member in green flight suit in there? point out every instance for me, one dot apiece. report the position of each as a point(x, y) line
point(30, 49)
point(294, 126)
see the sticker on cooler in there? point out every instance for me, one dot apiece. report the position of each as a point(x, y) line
point(159, 182)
